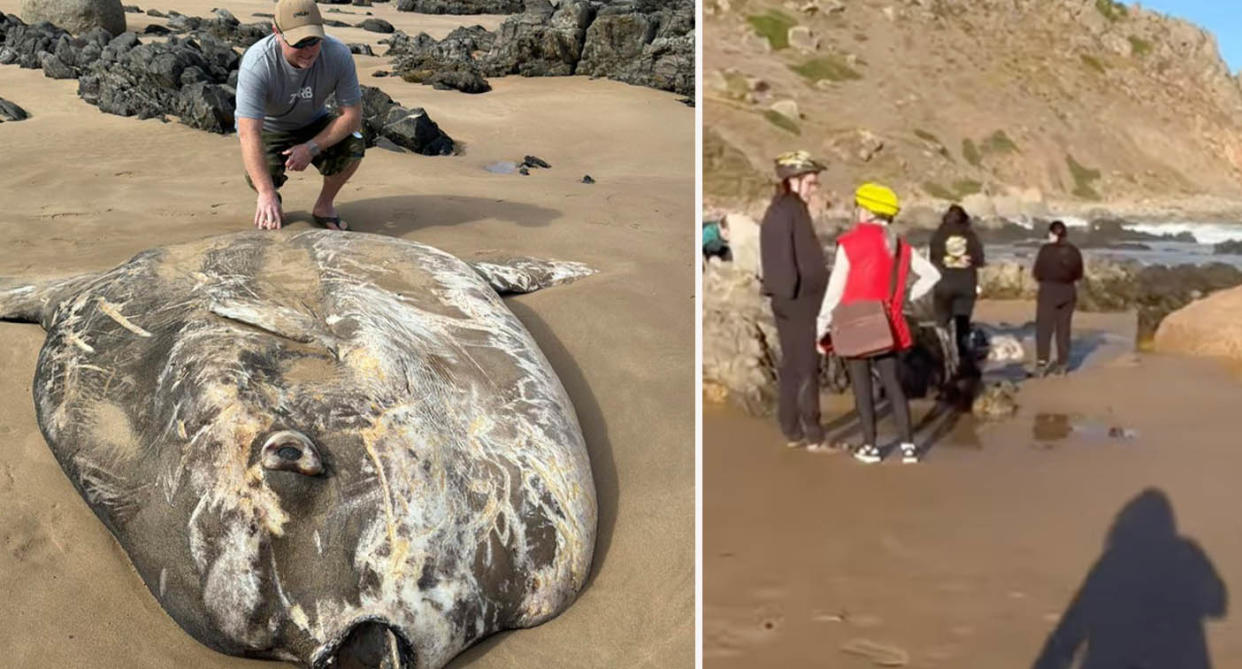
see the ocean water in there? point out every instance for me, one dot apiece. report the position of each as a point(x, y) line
point(1161, 253)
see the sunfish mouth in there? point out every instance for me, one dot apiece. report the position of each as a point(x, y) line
point(369, 644)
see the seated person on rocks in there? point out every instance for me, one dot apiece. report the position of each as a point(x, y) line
point(283, 124)
point(716, 240)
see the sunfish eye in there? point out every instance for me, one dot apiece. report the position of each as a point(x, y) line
point(291, 451)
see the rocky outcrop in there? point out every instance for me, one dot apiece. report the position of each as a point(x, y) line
point(76, 16)
point(1209, 327)
point(740, 345)
point(183, 77)
point(540, 43)
point(648, 48)
point(445, 64)
point(643, 43)
point(1231, 247)
point(192, 77)
point(460, 6)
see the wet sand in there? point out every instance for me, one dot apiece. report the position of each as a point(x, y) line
point(971, 558)
point(83, 190)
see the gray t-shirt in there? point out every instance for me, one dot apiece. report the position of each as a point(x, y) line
point(287, 98)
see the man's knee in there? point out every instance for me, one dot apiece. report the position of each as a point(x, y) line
point(342, 157)
point(278, 179)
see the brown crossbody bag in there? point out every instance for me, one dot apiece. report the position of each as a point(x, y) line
point(863, 329)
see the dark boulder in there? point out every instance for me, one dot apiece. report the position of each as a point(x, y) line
point(55, 68)
point(442, 75)
point(361, 49)
point(1230, 247)
point(11, 112)
point(377, 26)
point(446, 64)
point(414, 130)
point(410, 129)
point(76, 16)
point(207, 106)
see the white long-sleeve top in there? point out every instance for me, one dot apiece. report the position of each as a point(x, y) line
point(927, 273)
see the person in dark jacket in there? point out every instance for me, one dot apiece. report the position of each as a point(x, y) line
point(957, 252)
point(795, 277)
point(1057, 268)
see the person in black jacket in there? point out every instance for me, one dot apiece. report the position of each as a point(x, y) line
point(795, 277)
point(958, 254)
point(1057, 268)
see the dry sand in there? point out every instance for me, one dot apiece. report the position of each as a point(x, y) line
point(968, 559)
point(82, 190)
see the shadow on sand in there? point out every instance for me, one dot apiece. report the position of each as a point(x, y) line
point(400, 215)
point(1082, 345)
point(599, 447)
point(1144, 601)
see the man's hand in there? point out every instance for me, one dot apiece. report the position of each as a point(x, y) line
point(299, 157)
point(267, 213)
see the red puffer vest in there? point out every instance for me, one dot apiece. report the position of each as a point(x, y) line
point(871, 268)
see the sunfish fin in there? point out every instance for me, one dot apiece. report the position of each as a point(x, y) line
point(526, 275)
point(34, 300)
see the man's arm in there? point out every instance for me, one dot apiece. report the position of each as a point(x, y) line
point(350, 120)
point(349, 98)
point(267, 213)
point(776, 248)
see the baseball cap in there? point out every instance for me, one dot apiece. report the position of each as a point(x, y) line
point(299, 19)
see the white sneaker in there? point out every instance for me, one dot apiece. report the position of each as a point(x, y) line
point(868, 454)
point(823, 447)
point(909, 454)
point(793, 443)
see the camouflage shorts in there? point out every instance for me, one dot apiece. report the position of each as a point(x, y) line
point(332, 160)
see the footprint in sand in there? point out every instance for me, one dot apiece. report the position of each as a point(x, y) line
point(881, 655)
point(730, 632)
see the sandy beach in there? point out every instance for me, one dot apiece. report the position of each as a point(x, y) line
point(83, 190)
point(971, 558)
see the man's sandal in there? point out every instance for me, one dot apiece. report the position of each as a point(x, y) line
point(331, 222)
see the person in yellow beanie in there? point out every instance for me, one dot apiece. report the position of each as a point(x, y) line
point(873, 263)
point(795, 277)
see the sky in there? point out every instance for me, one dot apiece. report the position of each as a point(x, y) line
point(1222, 17)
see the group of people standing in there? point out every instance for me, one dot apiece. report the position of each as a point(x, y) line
point(872, 267)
